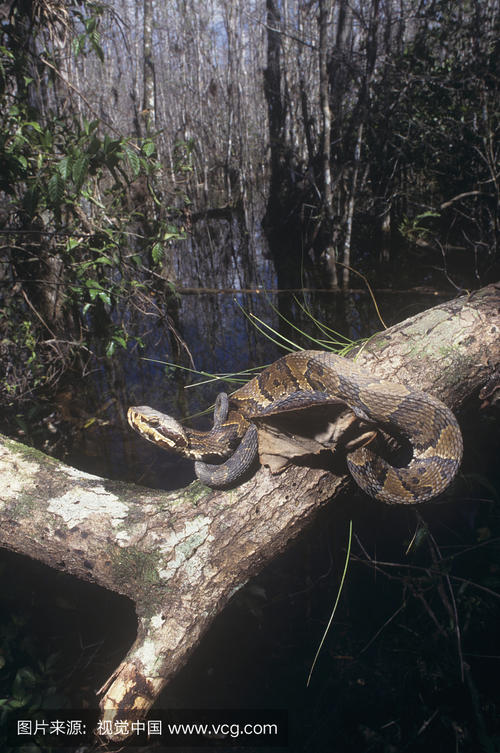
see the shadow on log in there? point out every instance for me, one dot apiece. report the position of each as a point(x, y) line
point(181, 555)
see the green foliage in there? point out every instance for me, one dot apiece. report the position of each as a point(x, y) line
point(184, 156)
point(89, 40)
point(28, 681)
point(412, 228)
point(71, 187)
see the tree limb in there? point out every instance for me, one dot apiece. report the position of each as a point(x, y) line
point(181, 555)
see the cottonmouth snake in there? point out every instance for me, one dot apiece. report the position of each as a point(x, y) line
point(308, 378)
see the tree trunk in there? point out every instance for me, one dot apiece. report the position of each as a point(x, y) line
point(326, 135)
point(275, 109)
point(148, 107)
point(181, 555)
point(346, 259)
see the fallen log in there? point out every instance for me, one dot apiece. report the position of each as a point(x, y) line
point(181, 555)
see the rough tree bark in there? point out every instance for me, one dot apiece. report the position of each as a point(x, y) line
point(275, 108)
point(326, 134)
point(149, 105)
point(181, 555)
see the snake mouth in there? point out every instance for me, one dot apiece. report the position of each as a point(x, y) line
point(158, 428)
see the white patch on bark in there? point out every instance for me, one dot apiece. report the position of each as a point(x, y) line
point(157, 621)
point(76, 473)
point(183, 545)
point(77, 505)
point(147, 654)
point(17, 478)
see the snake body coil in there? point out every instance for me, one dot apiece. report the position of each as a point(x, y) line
point(306, 378)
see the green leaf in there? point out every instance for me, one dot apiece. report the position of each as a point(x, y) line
point(95, 39)
point(47, 139)
point(36, 126)
point(78, 45)
point(89, 126)
point(104, 260)
point(427, 214)
point(56, 189)
point(80, 171)
point(72, 243)
point(111, 348)
point(90, 24)
point(134, 161)
point(148, 148)
point(105, 297)
point(17, 703)
point(157, 252)
point(94, 145)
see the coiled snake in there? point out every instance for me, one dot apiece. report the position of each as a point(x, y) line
point(308, 378)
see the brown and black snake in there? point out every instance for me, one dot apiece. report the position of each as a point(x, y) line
point(307, 378)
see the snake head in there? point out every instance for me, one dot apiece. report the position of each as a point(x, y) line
point(159, 428)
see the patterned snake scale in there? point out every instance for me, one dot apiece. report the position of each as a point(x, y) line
point(306, 378)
